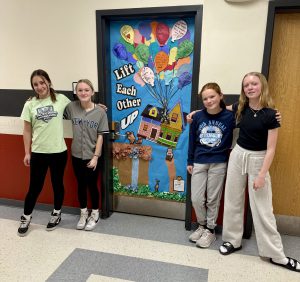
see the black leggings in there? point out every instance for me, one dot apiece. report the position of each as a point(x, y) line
point(86, 178)
point(39, 164)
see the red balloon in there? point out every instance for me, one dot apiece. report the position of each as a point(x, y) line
point(162, 33)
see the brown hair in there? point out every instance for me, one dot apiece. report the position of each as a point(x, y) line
point(214, 86)
point(44, 75)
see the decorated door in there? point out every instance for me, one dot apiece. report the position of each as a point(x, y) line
point(151, 64)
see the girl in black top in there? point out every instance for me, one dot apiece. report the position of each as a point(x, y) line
point(250, 161)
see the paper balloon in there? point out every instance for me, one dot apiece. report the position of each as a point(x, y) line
point(161, 61)
point(172, 56)
point(184, 79)
point(145, 29)
point(127, 33)
point(184, 49)
point(137, 78)
point(142, 53)
point(137, 37)
point(179, 29)
point(162, 33)
point(120, 51)
point(147, 75)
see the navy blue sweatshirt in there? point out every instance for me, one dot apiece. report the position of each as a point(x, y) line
point(210, 137)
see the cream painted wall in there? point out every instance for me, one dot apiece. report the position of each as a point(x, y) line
point(60, 37)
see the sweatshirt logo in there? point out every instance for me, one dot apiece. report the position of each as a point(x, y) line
point(210, 136)
point(45, 113)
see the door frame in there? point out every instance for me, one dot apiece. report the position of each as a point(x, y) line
point(275, 7)
point(103, 18)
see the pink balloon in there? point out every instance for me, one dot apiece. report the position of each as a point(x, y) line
point(162, 33)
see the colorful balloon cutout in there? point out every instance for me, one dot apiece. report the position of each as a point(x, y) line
point(129, 47)
point(179, 29)
point(137, 78)
point(142, 53)
point(161, 61)
point(184, 49)
point(145, 29)
point(172, 55)
point(147, 75)
point(182, 61)
point(127, 33)
point(137, 37)
point(184, 79)
point(162, 33)
point(120, 51)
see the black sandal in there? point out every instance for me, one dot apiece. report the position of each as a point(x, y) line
point(229, 249)
point(291, 265)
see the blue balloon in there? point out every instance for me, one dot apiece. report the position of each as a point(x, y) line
point(120, 51)
point(184, 79)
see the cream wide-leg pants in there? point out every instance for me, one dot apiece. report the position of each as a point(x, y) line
point(245, 165)
point(206, 191)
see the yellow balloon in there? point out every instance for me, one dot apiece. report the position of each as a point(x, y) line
point(172, 55)
point(127, 33)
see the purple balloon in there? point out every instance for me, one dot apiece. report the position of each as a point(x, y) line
point(120, 51)
point(130, 59)
point(184, 79)
point(145, 29)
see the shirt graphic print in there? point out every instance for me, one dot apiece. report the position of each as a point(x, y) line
point(45, 113)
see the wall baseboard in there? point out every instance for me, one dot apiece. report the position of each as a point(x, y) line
point(288, 225)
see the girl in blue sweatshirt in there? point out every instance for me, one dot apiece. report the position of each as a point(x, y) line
point(209, 143)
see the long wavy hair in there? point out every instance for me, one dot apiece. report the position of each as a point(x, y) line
point(265, 100)
point(214, 86)
point(44, 75)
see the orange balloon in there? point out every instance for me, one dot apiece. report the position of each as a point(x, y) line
point(161, 61)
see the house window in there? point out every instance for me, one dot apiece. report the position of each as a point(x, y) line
point(161, 134)
point(168, 137)
point(145, 127)
point(176, 139)
point(153, 133)
point(174, 117)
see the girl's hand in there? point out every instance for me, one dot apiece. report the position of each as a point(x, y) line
point(259, 182)
point(278, 116)
point(189, 117)
point(190, 169)
point(93, 163)
point(27, 160)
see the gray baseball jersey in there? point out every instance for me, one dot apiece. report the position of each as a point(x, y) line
point(86, 128)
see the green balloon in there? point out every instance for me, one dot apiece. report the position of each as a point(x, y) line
point(128, 46)
point(142, 52)
point(185, 49)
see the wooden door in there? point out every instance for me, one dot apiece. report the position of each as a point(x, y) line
point(284, 81)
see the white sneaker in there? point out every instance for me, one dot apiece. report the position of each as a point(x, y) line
point(195, 236)
point(206, 239)
point(92, 221)
point(83, 220)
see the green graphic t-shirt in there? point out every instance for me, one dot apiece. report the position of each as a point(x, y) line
point(46, 119)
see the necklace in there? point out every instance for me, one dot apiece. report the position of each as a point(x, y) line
point(255, 112)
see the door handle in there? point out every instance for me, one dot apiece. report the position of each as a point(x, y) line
point(115, 130)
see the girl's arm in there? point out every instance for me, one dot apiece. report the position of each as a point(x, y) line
point(97, 154)
point(229, 107)
point(259, 181)
point(27, 136)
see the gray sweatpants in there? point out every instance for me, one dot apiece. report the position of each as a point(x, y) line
point(206, 189)
point(245, 165)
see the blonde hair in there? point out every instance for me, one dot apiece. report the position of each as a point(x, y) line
point(86, 81)
point(265, 100)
